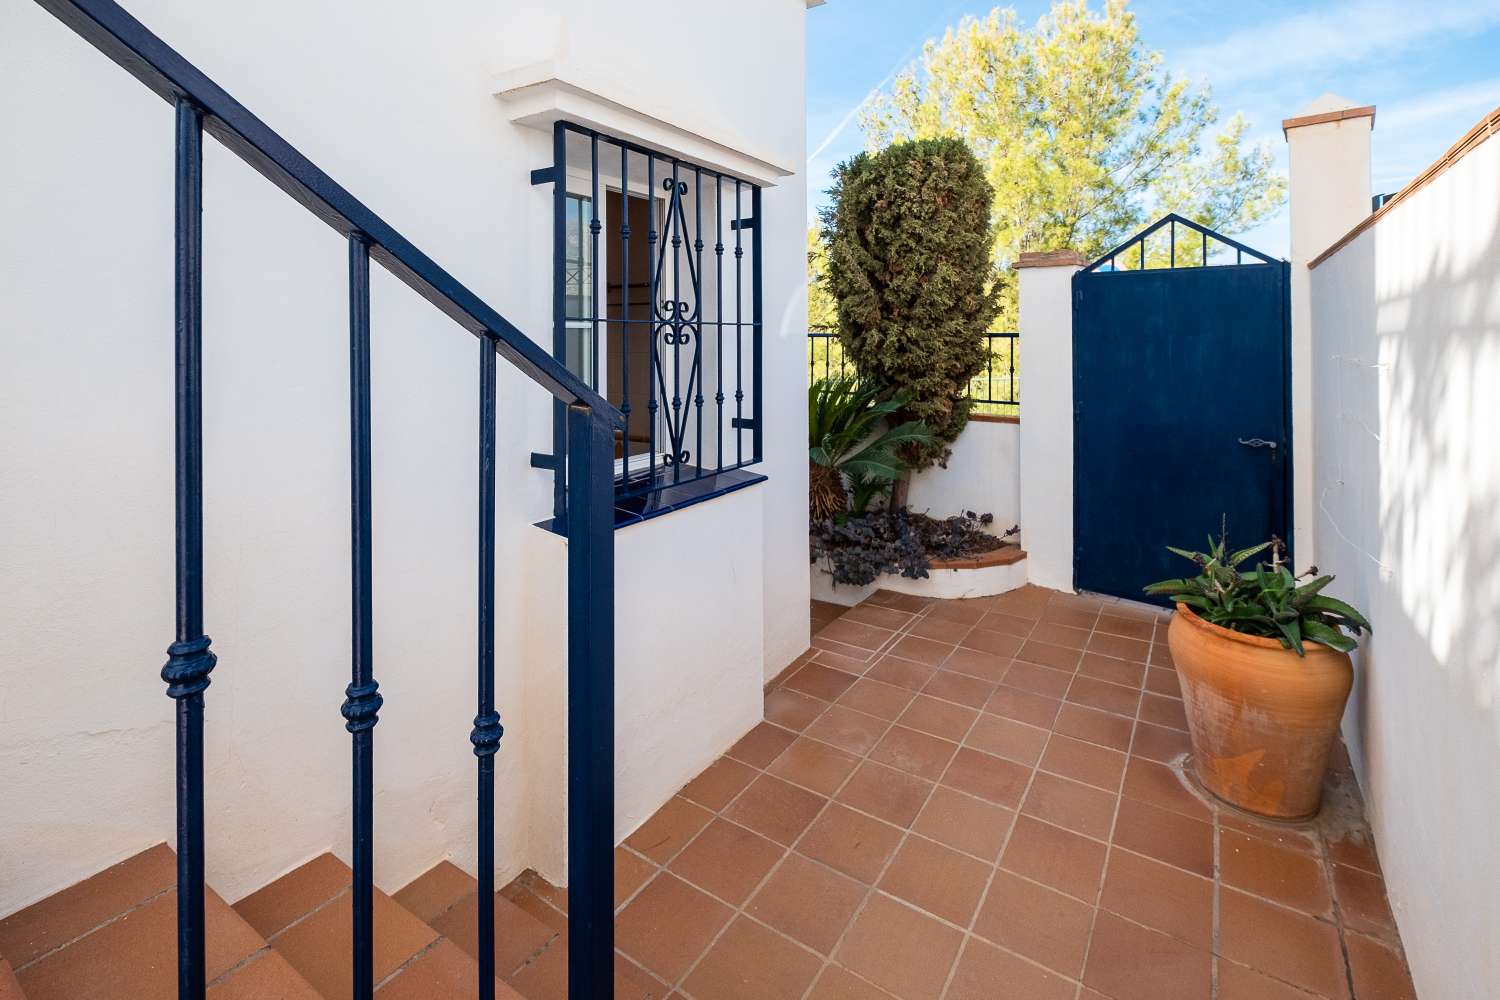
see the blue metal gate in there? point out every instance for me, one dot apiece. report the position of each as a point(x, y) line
point(1181, 403)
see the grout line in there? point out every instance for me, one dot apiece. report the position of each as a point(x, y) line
point(97, 927)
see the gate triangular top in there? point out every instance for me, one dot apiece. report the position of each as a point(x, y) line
point(1205, 234)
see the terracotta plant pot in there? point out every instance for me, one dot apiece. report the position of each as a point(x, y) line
point(1262, 718)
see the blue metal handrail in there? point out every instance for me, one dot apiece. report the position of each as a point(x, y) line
point(201, 105)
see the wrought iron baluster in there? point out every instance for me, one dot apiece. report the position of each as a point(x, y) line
point(189, 662)
point(362, 699)
point(625, 309)
point(559, 311)
point(756, 332)
point(674, 214)
point(594, 228)
point(1205, 249)
point(739, 281)
point(695, 380)
point(1011, 382)
point(487, 730)
point(719, 311)
point(1172, 242)
point(654, 371)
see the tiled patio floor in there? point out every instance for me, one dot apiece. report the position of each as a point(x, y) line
point(980, 800)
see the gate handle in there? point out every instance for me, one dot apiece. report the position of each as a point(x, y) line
point(1257, 443)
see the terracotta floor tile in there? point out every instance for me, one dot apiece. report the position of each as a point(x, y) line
point(1162, 711)
point(1355, 848)
point(1161, 786)
point(442, 971)
point(1166, 836)
point(1055, 857)
point(1132, 963)
point(820, 681)
point(968, 610)
point(668, 925)
point(884, 701)
point(1038, 679)
point(1021, 605)
point(845, 662)
point(1118, 646)
point(848, 730)
point(1048, 655)
point(63, 916)
point(899, 949)
point(546, 978)
point(1284, 876)
point(1023, 706)
point(961, 689)
point(793, 710)
point(808, 902)
point(669, 830)
point(855, 633)
point(435, 891)
point(814, 765)
point(1287, 945)
point(1280, 834)
point(963, 822)
point(939, 718)
point(920, 650)
point(1163, 681)
point(1159, 743)
point(751, 963)
point(1045, 926)
point(1161, 656)
point(1131, 628)
point(318, 946)
point(874, 614)
point(727, 860)
point(903, 673)
point(631, 872)
point(293, 895)
point(886, 793)
point(934, 878)
point(901, 602)
point(1000, 621)
point(1378, 971)
point(775, 809)
point(1092, 726)
point(976, 663)
point(838, 983)
point(1002, 644)
point(992, 778)
point(984, 972)
point(719, 783)
point(914, 752)
point(1161, 897)
point(1070, 804)
point(850, 842)
point(1236, 982)
point(1086, 762)
point(1072, 617)
point(940, 629)
point(1093, 693)
point(1055, 634)
point(761, 745)
point(270, 977)
point(1112, 669)
point(1362, 901)
point(1008, 738)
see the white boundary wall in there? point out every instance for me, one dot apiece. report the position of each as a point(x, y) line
point(1406, 356)
point(983, 475)
point(397, 103)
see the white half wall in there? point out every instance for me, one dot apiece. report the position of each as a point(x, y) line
point(1046, 438)
point(983, 475)
point(1406, 356)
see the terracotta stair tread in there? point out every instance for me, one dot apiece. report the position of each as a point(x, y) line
point(9, 988)
point(444, 970)
point(519, 936)
point(267, 976)
point(436, 890)
point(115, 935)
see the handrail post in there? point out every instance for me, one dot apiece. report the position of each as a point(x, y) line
point(487, 730)
point(591, 705)
point(189, 661)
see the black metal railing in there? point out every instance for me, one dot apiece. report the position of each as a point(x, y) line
point(994, 391)
point(674, 340)
point(589, 423)
point(1154, 249)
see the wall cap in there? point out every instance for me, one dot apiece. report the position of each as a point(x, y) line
point(1051, 258)
point(1324, 118)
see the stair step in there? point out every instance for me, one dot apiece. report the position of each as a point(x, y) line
point(435, 891)
point(115, 935)
point(267, 976)
point(9, 988)
point(451, 897)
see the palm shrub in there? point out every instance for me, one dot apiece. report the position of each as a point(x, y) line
point(909, 263)
point(847, 443)
point(1268, 600)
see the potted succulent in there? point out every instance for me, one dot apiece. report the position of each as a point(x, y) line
point(1264, 662)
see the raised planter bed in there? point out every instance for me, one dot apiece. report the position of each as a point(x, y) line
point(984, 575)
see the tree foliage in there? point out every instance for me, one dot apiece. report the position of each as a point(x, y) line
point(908, 236)
point(1083, 133)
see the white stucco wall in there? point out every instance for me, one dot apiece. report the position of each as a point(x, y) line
point(1046, 438)
point(1406, 357)
point(396, 104)
point(983, 475)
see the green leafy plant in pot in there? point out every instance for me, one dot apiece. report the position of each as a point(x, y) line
point(1263, 658)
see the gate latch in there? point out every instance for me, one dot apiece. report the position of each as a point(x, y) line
point(1257, 443)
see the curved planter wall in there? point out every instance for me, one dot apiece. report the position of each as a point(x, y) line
point(983, 576)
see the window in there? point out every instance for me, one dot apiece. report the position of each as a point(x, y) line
point(578, 290)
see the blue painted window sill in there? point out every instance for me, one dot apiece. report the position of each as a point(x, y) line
point(664, 500)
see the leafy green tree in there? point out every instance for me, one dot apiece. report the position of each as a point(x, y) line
point(1084, 135)
point(822, 310)
point(908, 236)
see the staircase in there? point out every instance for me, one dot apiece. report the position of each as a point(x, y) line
point(113, 936)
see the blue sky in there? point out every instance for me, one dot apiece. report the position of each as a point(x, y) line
point(1432, 69)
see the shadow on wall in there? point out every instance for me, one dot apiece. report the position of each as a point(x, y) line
point(1407, 359)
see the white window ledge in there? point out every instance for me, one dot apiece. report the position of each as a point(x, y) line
point(542, 93)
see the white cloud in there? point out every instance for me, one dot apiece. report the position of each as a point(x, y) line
point(1469, 100)
point(1350, 32)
